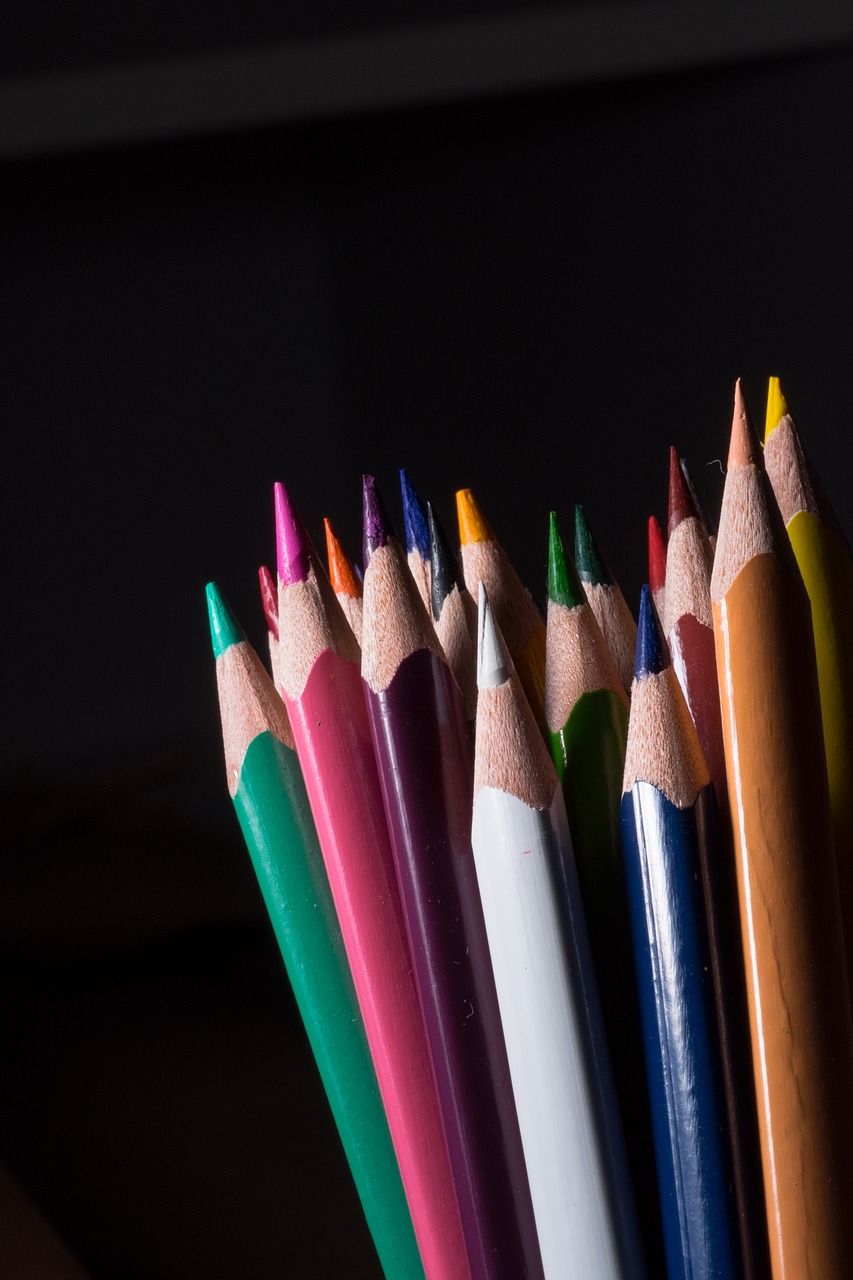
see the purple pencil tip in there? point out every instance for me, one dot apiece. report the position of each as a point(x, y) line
point(377, 526)
point(293, 548)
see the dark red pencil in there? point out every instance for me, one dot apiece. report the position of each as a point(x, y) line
point(422, 747)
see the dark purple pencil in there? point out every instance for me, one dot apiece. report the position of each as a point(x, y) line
point(423, 752)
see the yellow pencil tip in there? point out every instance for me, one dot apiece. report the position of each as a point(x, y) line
point(777, 407)
point(473, 525)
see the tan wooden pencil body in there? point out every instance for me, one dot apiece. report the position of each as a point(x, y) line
point(802, 1040)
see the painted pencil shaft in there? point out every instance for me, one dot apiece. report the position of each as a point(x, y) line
point(272, 807)
point(577, 1200)
point(676, 1000)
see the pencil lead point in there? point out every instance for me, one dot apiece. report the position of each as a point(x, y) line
point(269, 599)
point(473, 525)
point(341, 573)
point(293, 548)
point(446, 573)
point(744, 447)
point(657, 556)
point(681, 504)
point(377, 526)
point(415, 524)
point(589, 561)
point(494, 665)
point(652, 651)
point(225, 630)
point(564, 585)
point(777, 407)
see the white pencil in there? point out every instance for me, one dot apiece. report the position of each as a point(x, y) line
point(561, 1076)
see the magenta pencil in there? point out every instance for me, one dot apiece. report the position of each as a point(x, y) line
point(320, 671)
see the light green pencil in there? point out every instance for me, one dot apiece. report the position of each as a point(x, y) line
point(265, 783)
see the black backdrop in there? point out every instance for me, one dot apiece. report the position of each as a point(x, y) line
point(533, 296)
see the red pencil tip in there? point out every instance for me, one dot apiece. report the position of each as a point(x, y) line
point(657, 556)
point(681, 504)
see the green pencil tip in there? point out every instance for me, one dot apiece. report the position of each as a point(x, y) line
point(589, 561)
point(225, 630)
point(564, 585)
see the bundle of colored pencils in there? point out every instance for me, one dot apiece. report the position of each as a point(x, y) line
point(567, 901)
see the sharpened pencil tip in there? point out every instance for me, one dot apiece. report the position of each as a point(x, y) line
point(494, 665)
point(415, 524)
point(652, 651)
point(657, 556)
point(681, 505)
point(589, 561)
point(564, 586)
point(269, 599)
point(777, 407)
point(225, 630)
point(743, 448)
point(377, 526)
point(446, 573)
point(341, 572)
point(293, 549)
point(473, 525)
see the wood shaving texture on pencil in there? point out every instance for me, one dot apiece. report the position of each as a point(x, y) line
point(456, 629)
point(745, 531)
point(309, 614)
point(243, 718)
point(578, 661)
point(511, 754)
point(690, 562)
point(512, 604)
point(617, 625)
point(663, 748)
point(789, 471)
point(392, 634)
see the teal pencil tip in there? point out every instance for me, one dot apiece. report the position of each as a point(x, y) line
point(225, 630)
point(589, 561)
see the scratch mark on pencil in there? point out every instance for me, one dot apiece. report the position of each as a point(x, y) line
point(471, 1014)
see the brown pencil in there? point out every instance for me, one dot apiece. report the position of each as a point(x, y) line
point(802, 1039)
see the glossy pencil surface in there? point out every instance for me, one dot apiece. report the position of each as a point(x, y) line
point(269, 796)
point(423, 750)
point(668, 810)
point(790, 919)
point(322, 688)
point(543, 971)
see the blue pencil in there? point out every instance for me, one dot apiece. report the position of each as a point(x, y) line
point(668, 811)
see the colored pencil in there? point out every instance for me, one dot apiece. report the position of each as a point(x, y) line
point(321, 683)
point(424, 754)
point(657, 565)
point(701, 510)
point(587, 713)
point(668, 812)
point(485, 560)
point(561, 1075)
point(269, 603)
point(824, 560)
point(266, 786)
point(606, 599)
point(454, 615)
point(416, 529)
point(802, 1041)
point(690, 634)
point(345, 582)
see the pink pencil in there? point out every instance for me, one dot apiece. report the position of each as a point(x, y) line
point(319, 668)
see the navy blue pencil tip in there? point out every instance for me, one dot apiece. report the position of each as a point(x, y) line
point(415, 522)
point(652, 650)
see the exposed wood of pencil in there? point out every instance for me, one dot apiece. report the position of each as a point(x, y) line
point(454, 614)
point(668, 813)
point(790, 917)
point(424, 754)
point(30, 1246)
point(322, 688)
point(543, 971)
point(266, 786)
point(824, 559)
point(690, 632)
point(587, 713)
point(606, 599)
point(485, 560)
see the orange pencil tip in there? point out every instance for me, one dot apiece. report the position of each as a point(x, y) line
point(743, 448)
point(341, 573)
point(473, 525)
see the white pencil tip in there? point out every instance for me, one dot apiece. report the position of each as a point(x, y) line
point(493, 662)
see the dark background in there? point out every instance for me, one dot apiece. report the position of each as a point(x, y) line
point(531, 294)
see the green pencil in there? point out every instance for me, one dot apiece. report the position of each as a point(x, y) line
point(586, 709)
point(265, 783)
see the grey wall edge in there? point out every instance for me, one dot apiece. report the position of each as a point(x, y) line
point(434, 63)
